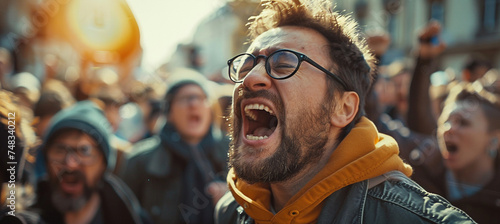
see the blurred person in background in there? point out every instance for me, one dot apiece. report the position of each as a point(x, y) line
point(178, 175)
point(460, 161)
point(79, 186)
point(469, 140)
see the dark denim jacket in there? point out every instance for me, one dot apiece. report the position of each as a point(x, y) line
point(390, 198)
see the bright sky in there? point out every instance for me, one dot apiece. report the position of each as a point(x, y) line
point(165, 23)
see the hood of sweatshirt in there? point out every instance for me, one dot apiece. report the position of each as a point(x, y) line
point(363, 154)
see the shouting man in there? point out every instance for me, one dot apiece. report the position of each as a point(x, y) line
point(302, 151)
point(79, 187)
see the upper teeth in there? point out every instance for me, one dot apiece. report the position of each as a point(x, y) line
point(252, 137)
point(256, 106)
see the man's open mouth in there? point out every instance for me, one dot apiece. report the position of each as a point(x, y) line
point(194, 118)
point(451, 147)
point(71, 182)
point(261, 120)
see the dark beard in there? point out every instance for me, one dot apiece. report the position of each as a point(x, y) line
point(64, 202)
point(302, 147)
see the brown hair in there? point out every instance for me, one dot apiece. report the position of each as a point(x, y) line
point(353, 62)
point(476, 94)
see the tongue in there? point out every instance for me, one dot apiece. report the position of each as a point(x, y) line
point(263, 131)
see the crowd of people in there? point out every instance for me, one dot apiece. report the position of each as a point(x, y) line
point(312, 129)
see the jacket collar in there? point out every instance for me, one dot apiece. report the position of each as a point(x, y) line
point(170, 142)
point(340, 206)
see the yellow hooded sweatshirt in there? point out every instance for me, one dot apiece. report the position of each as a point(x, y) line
point(363, 154)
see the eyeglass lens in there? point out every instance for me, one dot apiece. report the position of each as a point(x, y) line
point(189, 99)
point(279, 64)
point(83, 154)
point(241, 65)
point(282, 64)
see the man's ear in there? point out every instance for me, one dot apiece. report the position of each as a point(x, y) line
point(345, 109)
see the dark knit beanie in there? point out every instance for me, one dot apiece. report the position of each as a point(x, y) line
point(88, 118)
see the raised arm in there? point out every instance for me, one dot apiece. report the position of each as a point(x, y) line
point(420, 117)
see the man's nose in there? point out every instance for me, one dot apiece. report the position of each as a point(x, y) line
point(257, 78)
point(449, 128)
point(71, 160)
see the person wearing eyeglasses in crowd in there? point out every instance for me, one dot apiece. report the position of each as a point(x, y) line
point(178, 175)
point(301, 149)
point(79, 186)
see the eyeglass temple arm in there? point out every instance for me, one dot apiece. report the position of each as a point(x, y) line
point(310, 61)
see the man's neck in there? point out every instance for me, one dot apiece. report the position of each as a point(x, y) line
point(282, 192)
point(86, 214)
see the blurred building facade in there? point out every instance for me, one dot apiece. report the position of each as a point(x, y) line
point(219, 37)
point(470, 27)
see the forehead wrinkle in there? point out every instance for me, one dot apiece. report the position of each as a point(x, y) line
point(266, 46)
point(286, 38)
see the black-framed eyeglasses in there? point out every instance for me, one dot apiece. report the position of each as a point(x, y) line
point(281, 64)
point(84, 154)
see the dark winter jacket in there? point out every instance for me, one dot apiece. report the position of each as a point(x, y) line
point(118, 204)
point(170, 181)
